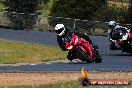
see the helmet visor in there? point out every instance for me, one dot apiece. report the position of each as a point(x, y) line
point(111, 26)
point(60, 30)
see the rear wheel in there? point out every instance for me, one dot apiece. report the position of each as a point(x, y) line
point(84, 56)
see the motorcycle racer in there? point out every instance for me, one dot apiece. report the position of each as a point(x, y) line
point(113, 37)
point(62, 33)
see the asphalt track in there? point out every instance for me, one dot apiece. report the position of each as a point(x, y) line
point(112, 60)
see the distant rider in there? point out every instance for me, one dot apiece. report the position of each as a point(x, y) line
point(112, 27)
point(62, 32)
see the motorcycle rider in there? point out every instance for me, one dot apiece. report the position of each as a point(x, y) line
point(62, 33)
point(113, 26)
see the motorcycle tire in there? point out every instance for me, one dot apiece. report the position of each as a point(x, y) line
point(70, 56)
point(98, 58)
point(83, 55)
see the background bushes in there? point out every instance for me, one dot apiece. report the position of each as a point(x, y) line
point(22, 13)
point(76, 9)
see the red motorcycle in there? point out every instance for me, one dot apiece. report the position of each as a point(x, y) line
point(80, 48)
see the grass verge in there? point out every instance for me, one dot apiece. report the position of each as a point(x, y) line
point(12, 52)
point(71, 84)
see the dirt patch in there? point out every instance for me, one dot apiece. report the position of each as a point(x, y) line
point(11, 79)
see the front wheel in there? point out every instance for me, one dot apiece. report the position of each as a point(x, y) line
point(84, 56)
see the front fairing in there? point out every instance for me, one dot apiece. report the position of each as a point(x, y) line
point(73, 41)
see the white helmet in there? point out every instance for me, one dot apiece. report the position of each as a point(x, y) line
point(112, 24)
point(60, 29)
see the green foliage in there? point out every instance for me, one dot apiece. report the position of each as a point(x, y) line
point(18, 19)
point(130, 14)
point(78, 9)
point(82, 9)
point(45, 1)
point(45, 6)
point(1, 6)
point(110, 13)
point(22, 6)
point(114, 13)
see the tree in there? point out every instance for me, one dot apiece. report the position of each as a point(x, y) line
point(82, 9)
point(22, 13)
point(130, 12)
point(76, 9)
point(130, 15)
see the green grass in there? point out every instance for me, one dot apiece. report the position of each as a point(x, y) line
point(71, 84)
point(12, 52)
